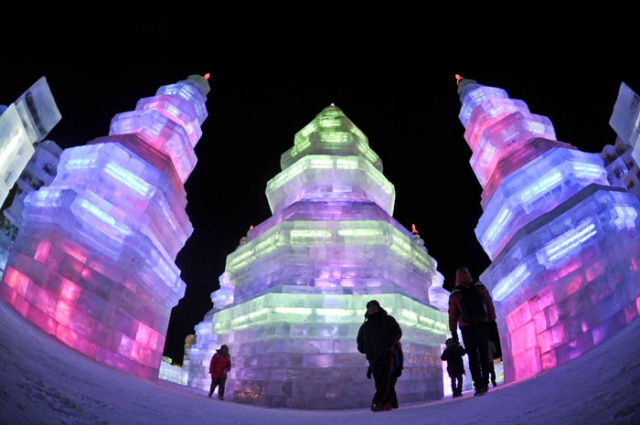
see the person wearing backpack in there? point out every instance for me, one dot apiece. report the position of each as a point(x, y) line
point(378, 339)
point(471, 308)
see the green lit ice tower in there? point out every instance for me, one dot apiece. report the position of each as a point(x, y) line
point(293, 296)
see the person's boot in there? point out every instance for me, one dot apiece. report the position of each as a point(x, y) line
point(482, 390)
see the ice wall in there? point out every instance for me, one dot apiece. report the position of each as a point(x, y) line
point(94, 261)
point(39, 171)
point(303, 277)
point(564, 243)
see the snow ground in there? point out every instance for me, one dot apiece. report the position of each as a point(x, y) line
point(44, 382)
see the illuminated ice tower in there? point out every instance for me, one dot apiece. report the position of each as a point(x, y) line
point(94, 261)
point(564, 244)
point(302, 280)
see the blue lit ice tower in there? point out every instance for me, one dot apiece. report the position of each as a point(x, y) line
point(94, 261)
point(302, 279)
point(564, 243)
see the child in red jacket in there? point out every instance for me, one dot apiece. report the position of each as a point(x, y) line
point(220, 365)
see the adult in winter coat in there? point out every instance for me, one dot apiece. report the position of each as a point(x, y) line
point(218, 368)
point(377, 339)
point(474, 326)
point(453, 354)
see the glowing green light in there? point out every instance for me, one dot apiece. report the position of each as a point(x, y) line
point(279, 308)
point(329, 132)
point(346, 164)
point(359, 232)
point(306, 170)
point(327, 122)
point(308, 237)
point(292, 310)
point(336, 137)
point(303, 234)
point(321, 161)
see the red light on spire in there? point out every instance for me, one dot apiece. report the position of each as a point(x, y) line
point(207, 76)
point(413, 229)
point(458, 78)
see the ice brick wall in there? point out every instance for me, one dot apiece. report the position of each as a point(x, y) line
point(94, 261)
point(564, 243)
point(40, 171)
point(302, 280)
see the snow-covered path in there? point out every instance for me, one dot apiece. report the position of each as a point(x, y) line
point(44, 382)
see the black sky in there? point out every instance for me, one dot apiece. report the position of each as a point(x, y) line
point(275, 66)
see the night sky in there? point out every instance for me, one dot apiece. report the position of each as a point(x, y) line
point(275, 67)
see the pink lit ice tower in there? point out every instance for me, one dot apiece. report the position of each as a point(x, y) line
point(94, 261)
point(564, 243)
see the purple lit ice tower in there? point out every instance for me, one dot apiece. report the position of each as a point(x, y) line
point(564, 244)
point(94, 261)
point(294, 295)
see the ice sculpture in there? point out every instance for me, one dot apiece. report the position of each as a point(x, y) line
point(625, 119)
point(564, 243)
point(26, 121)
point(172, 373)
point(94, 261)
point(622, 159)
point(302, 278)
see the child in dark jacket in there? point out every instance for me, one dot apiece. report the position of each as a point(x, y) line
point(453, 356)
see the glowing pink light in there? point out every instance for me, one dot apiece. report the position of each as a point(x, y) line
point(76, 253)
point(575, 285)
point(458, 78)
point(549, 360)
point(69, 292)
point(63, 312)
point(42, 251)
point(17, 281)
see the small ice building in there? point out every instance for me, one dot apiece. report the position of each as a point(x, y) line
point(26, 121)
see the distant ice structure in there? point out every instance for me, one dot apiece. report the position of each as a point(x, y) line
point(94, 261)
point(39, 171)
point(172, 373)
point(564, 242)
point(26, 121)
point(622, 159)
point(302, 278)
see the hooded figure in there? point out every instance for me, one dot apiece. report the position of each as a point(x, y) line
point(218, 368)
point(378, 339)
point(474, 327)
point(453, 354)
